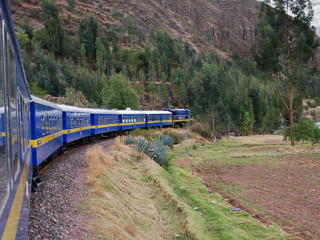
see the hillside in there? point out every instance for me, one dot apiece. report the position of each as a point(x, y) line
point(228, 25)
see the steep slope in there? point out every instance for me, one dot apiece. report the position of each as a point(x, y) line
point(228, 25)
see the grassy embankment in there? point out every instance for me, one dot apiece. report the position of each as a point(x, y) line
point(274, 182)
point(131, 197)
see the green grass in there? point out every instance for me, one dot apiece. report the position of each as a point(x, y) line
point(217, 220)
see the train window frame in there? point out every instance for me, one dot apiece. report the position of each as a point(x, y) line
point(71, 121)
point(43, 125)
point(50, 123)
point(8, 181)
point(47, 124)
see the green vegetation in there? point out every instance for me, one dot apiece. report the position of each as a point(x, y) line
point(157, 148)
point(305, 130)
point(114, 67)
point(286, 44)
point(217, 221)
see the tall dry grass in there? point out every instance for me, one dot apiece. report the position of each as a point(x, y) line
point(120, 201)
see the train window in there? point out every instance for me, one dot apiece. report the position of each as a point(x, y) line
point(71, 122)
point(43, 126)
point(75, 121)
point(4, 134)
point(55, 123)
point(50, 124)
point(13, 121)
point(47, 124)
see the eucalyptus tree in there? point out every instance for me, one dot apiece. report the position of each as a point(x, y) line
point(286, 43)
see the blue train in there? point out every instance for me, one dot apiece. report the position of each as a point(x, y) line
point(33, 131)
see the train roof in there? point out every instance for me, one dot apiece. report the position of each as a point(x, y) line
point(176, 109)
point(101, 111)
point(127, 111)
point(67, 108)
point(44, 102)
point(158, 112)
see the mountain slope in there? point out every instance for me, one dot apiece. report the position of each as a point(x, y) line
point(229, 25)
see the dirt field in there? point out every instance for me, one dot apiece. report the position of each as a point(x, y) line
point(271, 180)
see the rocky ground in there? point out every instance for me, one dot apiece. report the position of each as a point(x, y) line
point(55, 212)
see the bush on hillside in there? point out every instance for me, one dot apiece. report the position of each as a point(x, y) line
point(304, 130)
point(175, 136)
point(201, 129)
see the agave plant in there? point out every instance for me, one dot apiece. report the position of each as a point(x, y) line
point(167, 140)
point(158, 151)
point(142, 144)
point(182, 136)
point(129, 140)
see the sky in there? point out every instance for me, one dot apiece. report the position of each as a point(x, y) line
point(316, 15)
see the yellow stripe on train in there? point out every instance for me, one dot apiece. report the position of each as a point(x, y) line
point(41, 141)
point(11, 228)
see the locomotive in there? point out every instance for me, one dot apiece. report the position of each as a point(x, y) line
point(33, 130)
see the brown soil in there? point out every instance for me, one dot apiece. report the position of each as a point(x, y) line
point(284, 190)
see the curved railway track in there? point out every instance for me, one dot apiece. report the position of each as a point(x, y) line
point(57, 206)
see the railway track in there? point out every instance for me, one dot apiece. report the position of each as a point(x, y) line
point(57, 205)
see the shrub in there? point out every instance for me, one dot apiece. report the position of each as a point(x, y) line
point(311, 104)
point(201, 129)
point(182, 136)
point(167, 140)
point(317, 100)
point(158, 151)
point(129, 140)
point(138, 132)
point(175, 136)
point(304, 130)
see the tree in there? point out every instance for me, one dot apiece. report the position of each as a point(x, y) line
point(28, 28)
point(286, 43)
point(89, 30)
point(117, 93)
point(51, 21)
point(23, 38)
point(71, 4)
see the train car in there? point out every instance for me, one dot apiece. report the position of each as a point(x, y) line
point(76, 123)
point(104, 122)
point(158, 118)
point(15, 155)
point(180, 116)
point(129, 119)
point(46, 133)
point(166, 119)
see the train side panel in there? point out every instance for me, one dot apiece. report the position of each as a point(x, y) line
point(76, 125)
point(46, 135)
point(15, 149)
point(104, 123)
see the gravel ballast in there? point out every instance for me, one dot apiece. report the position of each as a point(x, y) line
point(56, 211)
